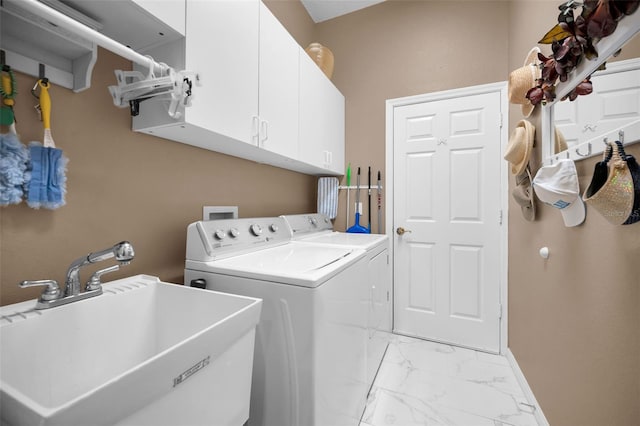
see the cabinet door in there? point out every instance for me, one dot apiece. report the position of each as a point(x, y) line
point(222, 45)
point(321, 118)
point(279, 83)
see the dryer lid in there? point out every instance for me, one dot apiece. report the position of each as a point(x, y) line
point(345, 239)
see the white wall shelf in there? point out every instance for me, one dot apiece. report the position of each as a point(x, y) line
point(51, 33)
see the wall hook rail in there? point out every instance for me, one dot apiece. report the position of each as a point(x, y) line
point(588, 151)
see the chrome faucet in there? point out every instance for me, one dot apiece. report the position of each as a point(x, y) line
point(123, 252)
point(53, 296)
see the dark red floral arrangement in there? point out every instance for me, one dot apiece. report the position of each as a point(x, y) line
point(572, 39)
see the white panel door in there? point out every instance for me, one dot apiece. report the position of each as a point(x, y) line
point(447, 200)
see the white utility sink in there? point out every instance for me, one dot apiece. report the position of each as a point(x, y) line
point(143, 353)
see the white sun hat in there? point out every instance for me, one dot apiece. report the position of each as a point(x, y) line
point(557, 185)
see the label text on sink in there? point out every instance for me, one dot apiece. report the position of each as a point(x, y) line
point(191, 371)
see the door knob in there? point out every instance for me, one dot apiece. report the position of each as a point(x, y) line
point(401, 230)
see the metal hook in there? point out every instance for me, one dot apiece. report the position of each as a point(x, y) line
point(588, 150)
point(33, 90)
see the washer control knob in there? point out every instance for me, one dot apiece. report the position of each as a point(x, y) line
point(273, 227)
point(234, 232)
point(219, 234)
point(313, 221)
point(255, 229)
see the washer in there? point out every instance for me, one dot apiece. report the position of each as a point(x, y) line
point(317, 228)
point(311, 341)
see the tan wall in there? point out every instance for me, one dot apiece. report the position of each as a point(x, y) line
point(574, 319)
point(125, 185)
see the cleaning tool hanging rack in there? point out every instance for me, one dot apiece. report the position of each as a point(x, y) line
point(160, 81)
point(363, 186)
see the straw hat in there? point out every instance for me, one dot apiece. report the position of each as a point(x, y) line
point(520, 146)
point(523, 195)
point(523, 79)
point(560, 142)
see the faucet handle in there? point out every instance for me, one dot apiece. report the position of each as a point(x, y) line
point(94, 282)
point(52, 291)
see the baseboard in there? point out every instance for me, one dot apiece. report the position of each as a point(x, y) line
point(528, 393)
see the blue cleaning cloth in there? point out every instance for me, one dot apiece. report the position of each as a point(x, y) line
point(46, 177)
point(13, 163)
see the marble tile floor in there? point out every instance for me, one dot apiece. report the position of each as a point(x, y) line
point(433, 384)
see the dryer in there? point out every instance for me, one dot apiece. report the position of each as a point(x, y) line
point(317, 228)
point(311, 341)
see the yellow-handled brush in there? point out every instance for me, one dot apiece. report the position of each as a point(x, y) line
point(45, 108)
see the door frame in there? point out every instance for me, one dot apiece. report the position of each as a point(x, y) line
point(391, 104)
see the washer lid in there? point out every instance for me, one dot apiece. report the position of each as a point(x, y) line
point(294, 263)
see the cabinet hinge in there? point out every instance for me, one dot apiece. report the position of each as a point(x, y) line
point(500, 217)
point(387, 295)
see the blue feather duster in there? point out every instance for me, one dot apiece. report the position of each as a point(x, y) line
point(13, 164)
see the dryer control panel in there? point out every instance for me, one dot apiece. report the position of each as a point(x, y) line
point(217, 239)
point(305, 224)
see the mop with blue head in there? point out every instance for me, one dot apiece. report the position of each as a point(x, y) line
point(13, 164)
point(13, 154)
point(47, 171)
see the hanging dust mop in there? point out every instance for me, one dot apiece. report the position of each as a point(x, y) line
point(13, 154)
point(47, 179)
point(356, 228)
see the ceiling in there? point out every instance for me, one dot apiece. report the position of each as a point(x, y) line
point(322, 10)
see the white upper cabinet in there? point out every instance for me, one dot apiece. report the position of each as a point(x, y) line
point(249, 101)
point(278, 87)
point(222, 46)
point(171, 12)
point(321, 119)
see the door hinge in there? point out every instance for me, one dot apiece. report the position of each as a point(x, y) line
point(500, 311)
point(500, 217)
point(500, 118)
point(387, 295)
